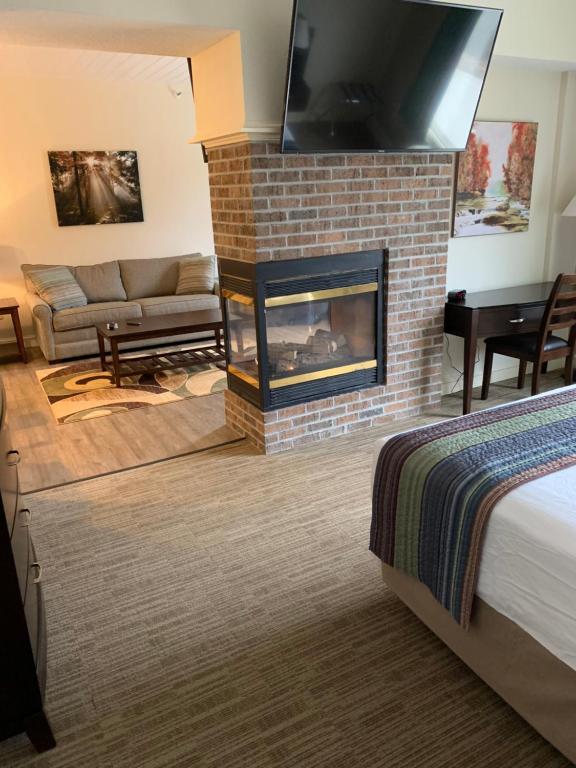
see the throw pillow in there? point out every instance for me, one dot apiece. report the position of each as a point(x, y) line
point(144, 278)
point(101, 282)
point(58, 288)
point(196, 275)
point(28, 268)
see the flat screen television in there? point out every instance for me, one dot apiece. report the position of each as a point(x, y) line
point(385, 75)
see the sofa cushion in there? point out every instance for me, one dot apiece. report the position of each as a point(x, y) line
point(58, 287)
point(101, 312)
point(28, 268)
point(101, 282)
point(170, 305)
point(151, 277)
point(195, 275)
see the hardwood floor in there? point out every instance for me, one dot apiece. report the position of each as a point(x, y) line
point(54, 454)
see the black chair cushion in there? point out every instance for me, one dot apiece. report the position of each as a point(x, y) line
point(524, 343)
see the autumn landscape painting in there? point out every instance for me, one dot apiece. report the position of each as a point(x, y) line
point(494, 185)
point(96, 187)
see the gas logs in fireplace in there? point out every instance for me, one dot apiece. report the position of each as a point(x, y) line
point(303, 329)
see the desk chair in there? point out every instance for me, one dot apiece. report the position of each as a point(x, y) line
point(539, 348)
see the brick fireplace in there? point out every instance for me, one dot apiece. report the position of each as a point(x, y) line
point(271, 207)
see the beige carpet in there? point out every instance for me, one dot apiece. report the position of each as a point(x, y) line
point(223, 611)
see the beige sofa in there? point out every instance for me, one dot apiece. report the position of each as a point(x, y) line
point(128, 289)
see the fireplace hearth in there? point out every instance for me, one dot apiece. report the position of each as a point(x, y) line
point(303, 329)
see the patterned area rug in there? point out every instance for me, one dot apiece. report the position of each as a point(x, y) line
point(82, 391)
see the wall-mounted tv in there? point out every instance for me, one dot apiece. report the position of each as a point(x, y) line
point(385, 75)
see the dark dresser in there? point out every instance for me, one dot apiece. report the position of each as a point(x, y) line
point(22, 623)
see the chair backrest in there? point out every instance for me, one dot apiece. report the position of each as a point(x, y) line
point(560, 312)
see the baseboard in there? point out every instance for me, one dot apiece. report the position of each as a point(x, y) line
point(501, 374)
point(498, 374)
point(29, 341)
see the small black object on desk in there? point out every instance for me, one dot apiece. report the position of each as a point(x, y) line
point(457, 296)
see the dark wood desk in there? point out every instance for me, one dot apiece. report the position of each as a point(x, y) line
point(493, 313)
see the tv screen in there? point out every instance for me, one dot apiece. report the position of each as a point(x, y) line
point(385, 75)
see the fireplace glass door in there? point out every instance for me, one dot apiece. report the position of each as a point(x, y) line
point(242, 338)
point(320, 334)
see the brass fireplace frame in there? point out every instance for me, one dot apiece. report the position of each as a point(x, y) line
point(328, 293)
point(302, 298)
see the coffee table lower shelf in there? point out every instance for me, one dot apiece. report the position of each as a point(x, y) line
point(163, 361)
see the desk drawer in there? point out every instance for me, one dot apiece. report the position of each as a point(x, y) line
point(21, 552)
point(501, 322)
point(9, 459)
point(9, 491)
point(31, 611)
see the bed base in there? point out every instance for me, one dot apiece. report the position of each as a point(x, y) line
point(534, 682)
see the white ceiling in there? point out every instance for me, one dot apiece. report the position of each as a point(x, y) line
point(92, 32)
point(70, 64)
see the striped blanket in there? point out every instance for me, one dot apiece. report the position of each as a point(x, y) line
point(435, 487)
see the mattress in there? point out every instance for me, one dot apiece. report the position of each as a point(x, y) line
point(528, 562)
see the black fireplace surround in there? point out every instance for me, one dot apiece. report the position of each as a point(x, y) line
point(303, 329)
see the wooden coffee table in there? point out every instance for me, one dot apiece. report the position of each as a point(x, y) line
point(155, 327)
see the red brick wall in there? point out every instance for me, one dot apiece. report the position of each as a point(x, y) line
point(268, 206)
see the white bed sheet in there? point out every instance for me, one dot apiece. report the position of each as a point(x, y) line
point(528, 562)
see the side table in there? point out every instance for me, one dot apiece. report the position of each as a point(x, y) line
point(10, 307)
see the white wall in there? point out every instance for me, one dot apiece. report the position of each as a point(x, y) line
point(498, 261)
point(562, 255)
point(531, 29)
point(43, 114)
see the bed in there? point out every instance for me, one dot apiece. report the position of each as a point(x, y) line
point(521, 639)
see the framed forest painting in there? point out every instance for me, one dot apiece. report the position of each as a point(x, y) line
point(494, 181)
point(96, 187)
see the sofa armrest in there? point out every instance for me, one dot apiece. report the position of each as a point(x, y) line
point(42, 318)
point(39, 309)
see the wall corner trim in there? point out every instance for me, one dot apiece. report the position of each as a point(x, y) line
point(253, 132)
